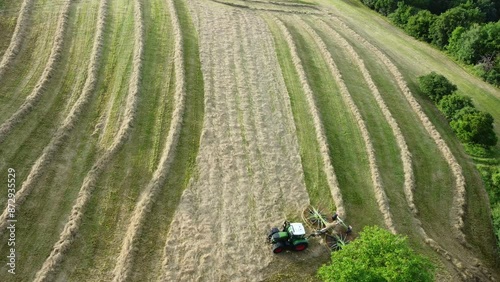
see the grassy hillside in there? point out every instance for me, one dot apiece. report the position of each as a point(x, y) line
point(160, 140)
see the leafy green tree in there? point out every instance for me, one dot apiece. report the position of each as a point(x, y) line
point(436, 86)
point(464, 15)
point(466, 45)
point(419, 24)
point(402, 14)
point(377, 255)
point(473, 126)
point(449, 105)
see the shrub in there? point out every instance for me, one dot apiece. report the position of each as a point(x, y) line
point(436, 86)
point(377, 255)
point(473, 126)
point(449, 105)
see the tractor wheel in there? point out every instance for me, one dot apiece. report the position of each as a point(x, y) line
point(300, 247)
point(278, 248)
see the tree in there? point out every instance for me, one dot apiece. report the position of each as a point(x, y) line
point(464, 15)
point(466, 45)
point(451, 104)
point(377, 255)
point(402, 14)
point(419, 24)
point(436, 86)
point(473, 126)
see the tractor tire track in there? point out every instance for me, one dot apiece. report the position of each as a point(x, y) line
point(71, 228)
point(17, 36)
point(467, 270)
point(69, 122)
point(242, 166)
point(320, 131)
point(126, 257)
point(379, 191)
point(55, 53)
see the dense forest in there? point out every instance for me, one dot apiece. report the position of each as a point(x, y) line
point(469, 30)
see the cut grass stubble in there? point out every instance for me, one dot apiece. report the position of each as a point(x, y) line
point(127, 254)
point(319, 130)
point(69, 122)
point(71, 228)
point(375, 175)
point(55, 53)
point(17, 36)
point(460, 193)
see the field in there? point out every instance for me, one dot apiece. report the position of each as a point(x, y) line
point(162, 139)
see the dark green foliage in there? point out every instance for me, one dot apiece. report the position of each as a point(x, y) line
point(473, 126)
point(479, 43)
point(402, 14)
point(436, 86)
point(491, 178)
point(385, 7)
point(451, 104)
point(419, 25)
point(464, 15)
point(495, 213)
point(377, 255)
point(465, 45)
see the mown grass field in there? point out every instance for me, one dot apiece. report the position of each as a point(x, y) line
point(160, 140)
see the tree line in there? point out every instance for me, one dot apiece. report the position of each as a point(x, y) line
point(469, 30)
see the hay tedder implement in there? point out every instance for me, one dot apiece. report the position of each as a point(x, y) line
point(333, 232)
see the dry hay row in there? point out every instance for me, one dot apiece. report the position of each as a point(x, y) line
point(318, 126)
point(17, 36)
point(126, 257)
point(406, 157)
point(71, 228)
point(460, 192)
point(405, 154)
point(69, 122)
point(380, 195)
point(284, 4)
point(457, 170)
point(36, 94)
point(246, 6)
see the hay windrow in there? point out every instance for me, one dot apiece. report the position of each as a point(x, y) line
point(17, 36)
point(69, 122)
point(460, 191)
point(379, 192)
point(459, 198)
point(406, 157)
point(71, 228)
point(126, 257)
point(318, 126)
point(55, 54)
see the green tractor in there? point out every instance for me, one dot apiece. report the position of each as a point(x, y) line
point(292, 237)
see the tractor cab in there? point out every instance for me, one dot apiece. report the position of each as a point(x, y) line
point(297, 230)
point(291, 237)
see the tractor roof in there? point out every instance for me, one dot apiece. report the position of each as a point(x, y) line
point(297, 228)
